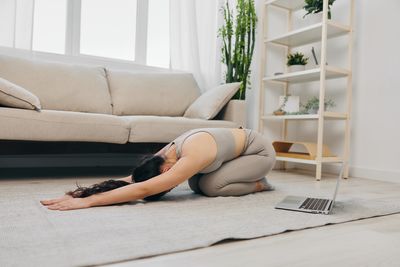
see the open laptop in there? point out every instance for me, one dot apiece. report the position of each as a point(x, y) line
point(308, 204)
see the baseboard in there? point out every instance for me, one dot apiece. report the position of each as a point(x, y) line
point(375, 174)
point(360, 172)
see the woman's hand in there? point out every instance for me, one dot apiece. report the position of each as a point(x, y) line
point(55, 200)
point(71, 204)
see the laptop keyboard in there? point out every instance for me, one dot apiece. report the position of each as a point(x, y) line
point(314, 204)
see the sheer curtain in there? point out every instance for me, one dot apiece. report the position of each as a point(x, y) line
point(194, 43)
point(16, 23)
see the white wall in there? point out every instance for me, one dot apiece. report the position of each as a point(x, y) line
point(375, 122)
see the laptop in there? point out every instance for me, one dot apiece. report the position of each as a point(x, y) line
point(308, 204)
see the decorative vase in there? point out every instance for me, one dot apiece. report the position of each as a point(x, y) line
point(294, 68)
point(314, 18)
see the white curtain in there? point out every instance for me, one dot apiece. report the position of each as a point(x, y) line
point(16, 23)
point(194, 43)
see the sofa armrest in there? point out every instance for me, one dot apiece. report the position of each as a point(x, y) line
point(234, 110)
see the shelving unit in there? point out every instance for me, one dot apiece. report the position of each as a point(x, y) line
point(320, 32)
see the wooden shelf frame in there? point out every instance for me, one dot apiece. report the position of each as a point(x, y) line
point(320, 32)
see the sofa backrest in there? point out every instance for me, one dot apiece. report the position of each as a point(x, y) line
point(60, 86)
point(163, 94)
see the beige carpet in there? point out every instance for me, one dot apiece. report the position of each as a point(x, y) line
point(31, 235)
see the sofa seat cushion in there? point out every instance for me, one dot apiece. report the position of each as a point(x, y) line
point(163, 94)
point(60, 86)
point(51, 125)
point(163, 129)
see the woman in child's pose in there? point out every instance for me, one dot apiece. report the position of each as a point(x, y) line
point(215, 161)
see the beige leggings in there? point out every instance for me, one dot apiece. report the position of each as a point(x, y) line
point(238, 176)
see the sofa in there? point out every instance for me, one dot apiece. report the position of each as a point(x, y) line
point(83, 104)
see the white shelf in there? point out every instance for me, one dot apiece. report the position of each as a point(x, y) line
point(308, 161)
point(310, 34)
point(287, 4)
point(327, 115)
point(308, 75)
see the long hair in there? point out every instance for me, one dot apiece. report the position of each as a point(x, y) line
point(148, 168)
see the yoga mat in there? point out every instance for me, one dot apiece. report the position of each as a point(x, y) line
point(32, 235)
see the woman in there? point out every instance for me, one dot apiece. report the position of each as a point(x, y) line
point(217, 162)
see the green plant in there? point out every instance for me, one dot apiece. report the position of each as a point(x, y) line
point(313, 104)
point(316, 6)
point(296, 59)
point(238, 41)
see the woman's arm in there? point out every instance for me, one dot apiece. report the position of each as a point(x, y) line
point(182, 170)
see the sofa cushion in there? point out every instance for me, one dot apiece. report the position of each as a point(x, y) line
point(51, 125)
point(165, 129)
point(60, 86)
point(212, 101)
point(164, 94)
point(12, 95)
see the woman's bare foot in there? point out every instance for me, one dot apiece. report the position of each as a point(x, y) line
point(55, 200)
point(263, 185)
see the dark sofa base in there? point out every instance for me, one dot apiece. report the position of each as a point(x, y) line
point(32, 154)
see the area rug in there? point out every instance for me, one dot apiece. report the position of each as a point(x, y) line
point(31, 235)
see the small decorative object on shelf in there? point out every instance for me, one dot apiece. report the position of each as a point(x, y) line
point(280, 111)
point(316, 6)
point(312, 105)
point(289, 103)
point(307, 150)
point(296, 62)
point(314, 56)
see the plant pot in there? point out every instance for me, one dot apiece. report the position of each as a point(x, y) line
point(314, 18)
point(294, 68)
point(314, 110)
point(235, 111)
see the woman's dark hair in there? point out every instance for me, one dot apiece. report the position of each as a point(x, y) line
point(148, 168)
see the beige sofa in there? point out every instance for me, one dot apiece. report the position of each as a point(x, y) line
point(96, 104)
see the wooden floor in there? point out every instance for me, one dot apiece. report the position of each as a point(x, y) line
point(369, 242)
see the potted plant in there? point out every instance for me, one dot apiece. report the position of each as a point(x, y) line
point(296, 62)
point(316, 6)
point(238, 42)
point(312, 105)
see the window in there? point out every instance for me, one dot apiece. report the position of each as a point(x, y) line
point(7, 11)
point(131, 30)
point(158, 34)
point(49, 25)
point(108, 28)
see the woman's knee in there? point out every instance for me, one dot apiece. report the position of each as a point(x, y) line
point(270, 162)
point(208, 187)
